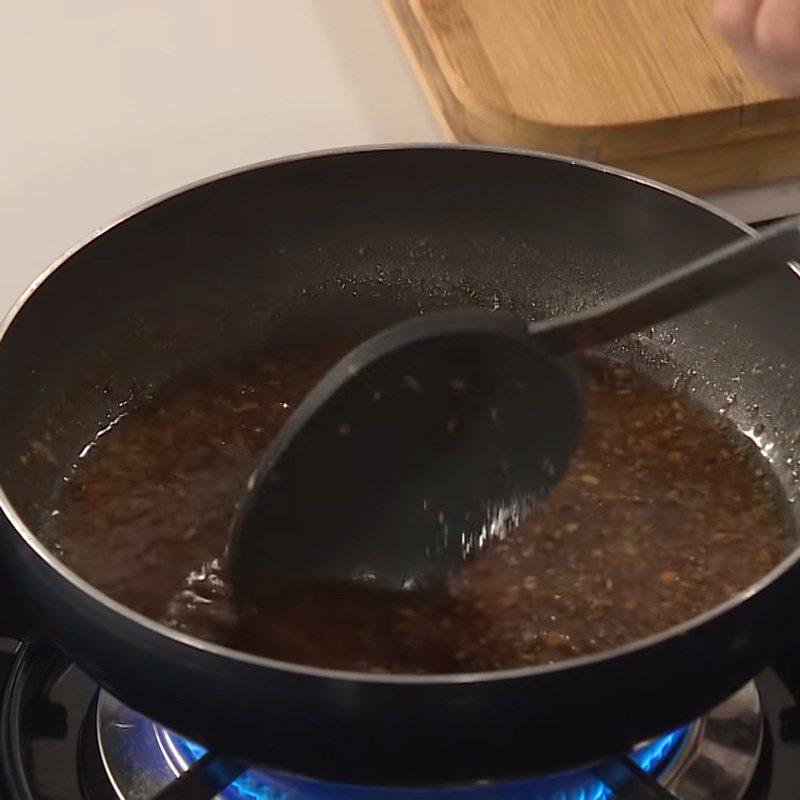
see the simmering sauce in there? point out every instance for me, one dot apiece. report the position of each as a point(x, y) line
point(665, 512)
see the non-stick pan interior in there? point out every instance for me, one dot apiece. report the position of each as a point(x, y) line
point(348, 242)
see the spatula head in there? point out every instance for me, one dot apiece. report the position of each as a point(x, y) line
point(414, 451)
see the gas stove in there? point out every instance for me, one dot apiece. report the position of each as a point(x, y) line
point(62, 737)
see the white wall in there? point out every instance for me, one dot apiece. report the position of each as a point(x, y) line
point(106, 103)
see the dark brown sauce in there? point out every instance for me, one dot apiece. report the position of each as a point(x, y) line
point(664, 513)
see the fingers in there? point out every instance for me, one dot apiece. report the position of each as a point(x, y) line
point(776, 31)
point(765, 34)
point(736, 20)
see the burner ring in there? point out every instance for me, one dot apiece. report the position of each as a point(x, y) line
point(720, 759)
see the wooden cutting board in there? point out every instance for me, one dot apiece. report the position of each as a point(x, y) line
point(646, 85)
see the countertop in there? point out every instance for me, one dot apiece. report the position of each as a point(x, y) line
point(108, 104)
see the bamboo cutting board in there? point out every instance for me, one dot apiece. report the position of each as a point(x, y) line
point(646, 85)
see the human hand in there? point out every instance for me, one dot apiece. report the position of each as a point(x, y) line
point(765, 35)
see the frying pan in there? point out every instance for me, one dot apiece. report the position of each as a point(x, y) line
point(371, 236)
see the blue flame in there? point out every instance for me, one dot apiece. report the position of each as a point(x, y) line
point(577, 785)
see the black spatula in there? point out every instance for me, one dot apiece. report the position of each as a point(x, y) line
point(433, 437)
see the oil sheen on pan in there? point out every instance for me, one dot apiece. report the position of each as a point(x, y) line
point(665, 512)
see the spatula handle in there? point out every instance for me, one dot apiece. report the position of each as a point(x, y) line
point(676, 291)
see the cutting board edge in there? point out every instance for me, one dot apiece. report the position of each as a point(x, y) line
point(465, 116)
point(395, 14)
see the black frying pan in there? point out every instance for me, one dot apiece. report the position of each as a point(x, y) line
point(212, 269)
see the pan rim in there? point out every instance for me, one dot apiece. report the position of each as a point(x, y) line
point(51, 561)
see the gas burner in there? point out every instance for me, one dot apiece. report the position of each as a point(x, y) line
point(132, 745)
point(714, 757)
point(62, 737)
